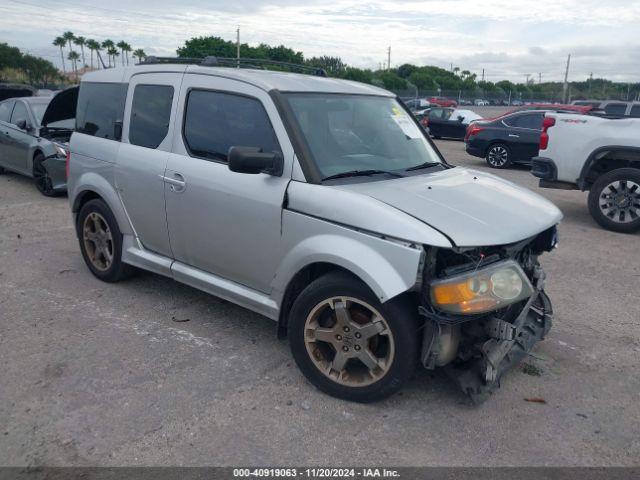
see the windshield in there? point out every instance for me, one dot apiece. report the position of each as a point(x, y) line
point(358, 132)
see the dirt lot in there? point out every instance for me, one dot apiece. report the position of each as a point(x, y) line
point(98, 374)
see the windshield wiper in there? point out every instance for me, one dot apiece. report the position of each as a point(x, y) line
point(362, 173)
point(423, 165)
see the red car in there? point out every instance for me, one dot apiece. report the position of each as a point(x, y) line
point(443, 102)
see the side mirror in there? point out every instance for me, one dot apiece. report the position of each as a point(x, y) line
point(22, 124)
point(253, 160)
point(460, 118)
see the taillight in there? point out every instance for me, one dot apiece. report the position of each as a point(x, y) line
point(472, 130)
point(67, 162)
point(547, 123)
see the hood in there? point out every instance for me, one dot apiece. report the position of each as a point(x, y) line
point(472, 208)
point(61, 107)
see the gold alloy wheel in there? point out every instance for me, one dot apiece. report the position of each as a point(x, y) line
point(349, 341)
point(98, 241)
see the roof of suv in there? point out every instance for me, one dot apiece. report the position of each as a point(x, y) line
point(264, 79)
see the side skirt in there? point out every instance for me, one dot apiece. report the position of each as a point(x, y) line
point(135, 254)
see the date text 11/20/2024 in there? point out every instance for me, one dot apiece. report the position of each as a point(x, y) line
point(316, 472)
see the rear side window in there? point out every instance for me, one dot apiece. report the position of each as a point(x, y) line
point(150, 115)
point(5, 111)
point(635, 111)
point(19, 113)
point(100, 108)
point(532, 121)
point(216, 121)
point(615, 108)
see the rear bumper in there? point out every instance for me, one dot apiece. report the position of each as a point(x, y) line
point(474, 150)
point(544, 168)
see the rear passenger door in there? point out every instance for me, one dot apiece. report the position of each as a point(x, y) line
point(524, 135)
point(220, 221)
point(146, 142)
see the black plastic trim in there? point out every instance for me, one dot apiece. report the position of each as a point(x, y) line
point(591, 160)
point(544, 168)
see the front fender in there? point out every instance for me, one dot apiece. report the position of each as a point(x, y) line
point(388, 267)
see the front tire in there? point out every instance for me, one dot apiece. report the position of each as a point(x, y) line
point(498, 156)
point(41, 177)
point(101, 242)
point(348, 344)
point(614, 200)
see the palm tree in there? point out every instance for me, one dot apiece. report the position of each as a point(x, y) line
point(113, 53)
point(81, 42)
point(69, 36)
point(139, 53)
point(108, 45)
point(92, 45)
point(97, 47)
point(122, 45)
point(126, 49)
point(74, 57)
point(61, 42)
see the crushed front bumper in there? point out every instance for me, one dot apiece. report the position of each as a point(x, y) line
point(487, 346)
point(507, 344)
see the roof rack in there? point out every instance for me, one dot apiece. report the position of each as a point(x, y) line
point(257, 63)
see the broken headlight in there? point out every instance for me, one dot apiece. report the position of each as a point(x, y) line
point(482, 290)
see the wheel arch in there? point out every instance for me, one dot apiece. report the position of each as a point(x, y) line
point(92, 186)
point(605, 159)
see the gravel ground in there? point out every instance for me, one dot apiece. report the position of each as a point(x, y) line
point(102, 374)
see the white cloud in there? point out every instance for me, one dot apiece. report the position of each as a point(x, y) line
point(506, 38)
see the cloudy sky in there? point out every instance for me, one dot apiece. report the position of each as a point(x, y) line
point(508, 38)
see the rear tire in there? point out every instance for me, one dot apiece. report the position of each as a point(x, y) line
point(614, 200)
point(348, 344)
point(41, 177)
point(101, 242)
point(498, 156)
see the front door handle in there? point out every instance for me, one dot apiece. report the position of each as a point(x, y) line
point(176, 182)
point(514, 135)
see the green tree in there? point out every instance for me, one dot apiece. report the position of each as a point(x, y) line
point(93, 46)
point(81, 42)
point(125, 51)
point(334, 66)
point(109, 46)
point(422, 80)
point(122, 45)
point(61, 42)
point(391, 81)
point(358, 75)
point(69, 37)
point(74, 57)
point(405, 70)
point(139, 54)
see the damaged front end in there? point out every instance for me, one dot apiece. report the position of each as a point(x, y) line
point(484, 310)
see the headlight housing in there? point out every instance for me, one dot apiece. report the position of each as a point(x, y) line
point(481, 290)
point(61, 151)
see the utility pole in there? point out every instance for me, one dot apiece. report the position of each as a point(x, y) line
point(483, 74)
point(389, 58)
point(590, 80)
point(238, 46)
point(527, 75)
point(565, 90)
point(539, 78)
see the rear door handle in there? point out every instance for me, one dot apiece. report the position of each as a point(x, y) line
point(514, 135)
point(176, 182)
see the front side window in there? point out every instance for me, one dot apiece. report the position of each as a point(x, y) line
point(635, 111)
point(216, 121)
point(101, 109)
point(346, 133)
point(150, 115)
point(5, 110)
point(19, 113)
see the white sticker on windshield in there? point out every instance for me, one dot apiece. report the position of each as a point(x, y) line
point(408, 126)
